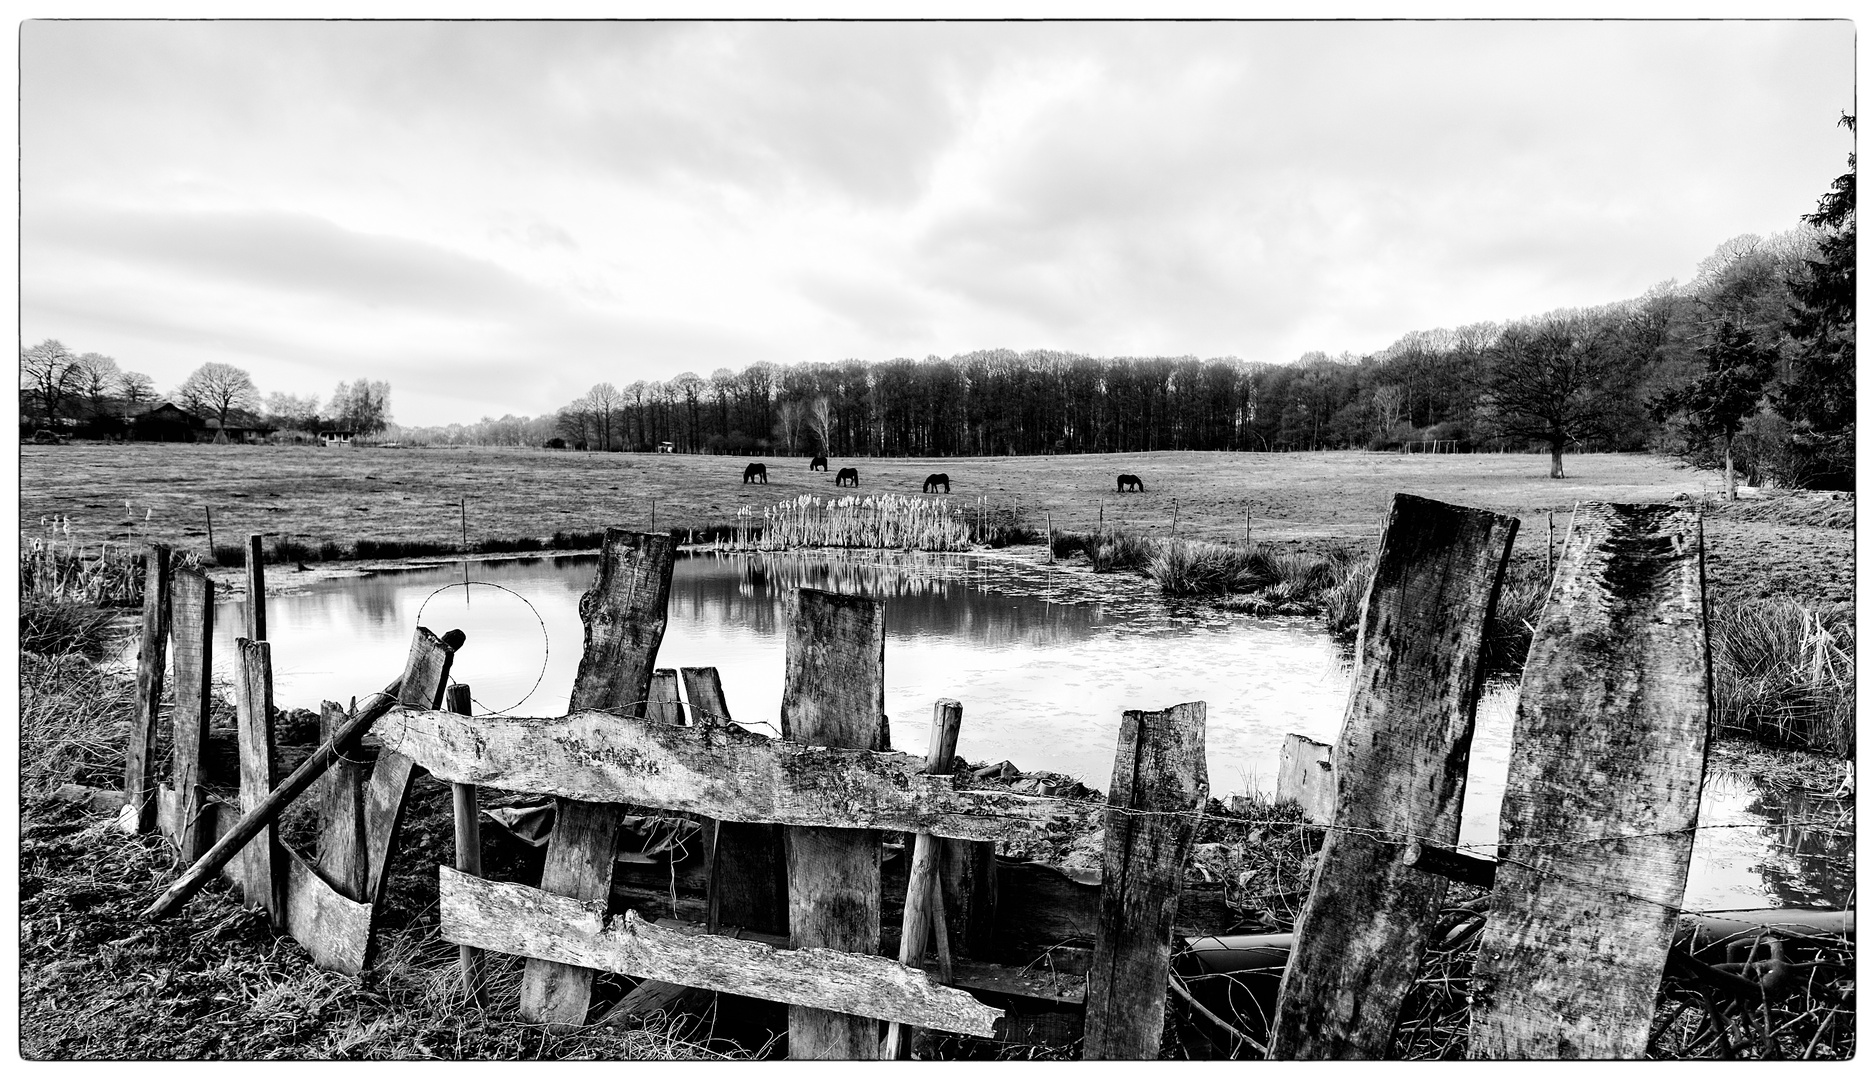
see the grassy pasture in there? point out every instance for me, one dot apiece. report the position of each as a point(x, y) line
point(1311, 501)
point(413, 494)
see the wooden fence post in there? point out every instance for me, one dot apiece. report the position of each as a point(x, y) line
point(748, 874)
point(1158, 792)
point(1607, 760)
point(664, 706)
point(922, 888)
point(468, 847)
point(1305, 775)
point(834, 695)
point(341, 851)
point(140, 783)
point(192, 599)
point(624, 613)
point(1399, 776)
point(261, 865)
point(256, 590)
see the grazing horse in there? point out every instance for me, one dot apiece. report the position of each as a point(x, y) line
point(755, 471)
point(1128, 480)
point(844, 475)
point(819, 462)
point(937, 480)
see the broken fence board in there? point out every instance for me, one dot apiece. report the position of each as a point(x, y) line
point(192, 627)
point(516, 919)
point(334, 928)
point(748, 875)
point(1608, 757)
point(259, 865)
point(139, 813)
point(833, 695)
point(624, 616)
point(341, 799)
point(719, 771)
point(1158, 792)
point(1399, 768)
point(1305, 775)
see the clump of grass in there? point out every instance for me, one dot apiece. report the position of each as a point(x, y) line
point(1122, 551)
point(1270, 582)
point(577, 541)
point(286, 549)
point(494, 546)
point(1784, 672)
point(229, 555)
point(53, 627)
point(1197, 567)
point(73, 721)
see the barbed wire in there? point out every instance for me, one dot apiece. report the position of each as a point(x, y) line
point(546, 642)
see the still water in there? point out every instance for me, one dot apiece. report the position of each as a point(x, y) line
point(1044, 661)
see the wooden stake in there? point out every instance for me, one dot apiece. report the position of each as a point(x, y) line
point(139, 813)
point(921, 891)
point(193, 625)
point(262, 869)
point(211, 533)
point(468, 847)
point(256, 590)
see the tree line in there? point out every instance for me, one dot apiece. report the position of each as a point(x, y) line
point(90, 395)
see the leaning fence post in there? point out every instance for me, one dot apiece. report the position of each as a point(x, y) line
point(624, 613)
point(1158, 792)
point(834, 695)
point(192, 599)
point(468, 846)
point(261, 864)
point(1607, 759)
point(1399, 776)
point(139, 813)
point(341, 802)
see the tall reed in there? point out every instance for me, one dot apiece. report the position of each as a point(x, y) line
point(1783, 672)
point(871, 521)
point(54, 566)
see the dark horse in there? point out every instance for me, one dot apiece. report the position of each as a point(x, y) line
point(818, 463)
point(844, 475)
point(937, 480)
point(755, 471)
point(1128, 480)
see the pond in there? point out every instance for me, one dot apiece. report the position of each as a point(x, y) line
point(1043, 659)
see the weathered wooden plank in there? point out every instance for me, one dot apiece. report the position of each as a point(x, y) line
point(922, 889)
point(256, 589)
point(223, 849)
point(624, 615)
point(192, 627)
point(260, 864)
point(425, 681)
point(1608, 756)
point(341, 800)
point(468, 821)
point(718, 771)
point(1305, 775)
point(334, 928)
point(1399, 776)
point(1158, 792)
point(515, 919)
point(748, 875)
point(139, 812)
point(834, 695)
point(665, 707)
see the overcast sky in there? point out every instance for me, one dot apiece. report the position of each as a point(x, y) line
point(495, 216)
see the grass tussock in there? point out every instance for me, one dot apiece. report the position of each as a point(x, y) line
point(1256, 580)
point(51, 627)
point(1108, 551)
point(1784, 673)
point(74, 721)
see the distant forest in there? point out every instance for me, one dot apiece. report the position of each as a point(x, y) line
point(1754, 357)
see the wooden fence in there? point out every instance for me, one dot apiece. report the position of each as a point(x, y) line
point(1607, 763)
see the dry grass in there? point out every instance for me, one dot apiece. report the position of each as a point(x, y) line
point(1784, 673)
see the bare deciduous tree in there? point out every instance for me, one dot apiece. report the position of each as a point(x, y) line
point(219, 388)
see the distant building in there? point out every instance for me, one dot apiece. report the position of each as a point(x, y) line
point(337, 438)
point(240, 428)
point(666, 448)
point(166, 422)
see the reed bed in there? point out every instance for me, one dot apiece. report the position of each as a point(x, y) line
point(55, 566)
point(871, 521)
point(1784, 673)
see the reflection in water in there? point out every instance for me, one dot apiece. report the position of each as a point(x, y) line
point(1044, 662)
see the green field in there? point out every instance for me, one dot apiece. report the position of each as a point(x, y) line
point(1308, 500)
